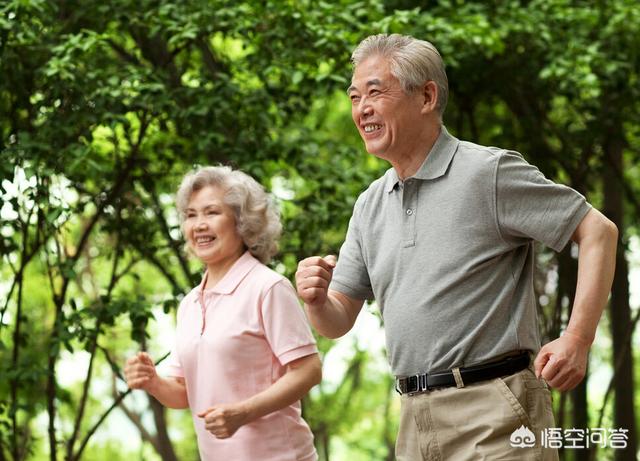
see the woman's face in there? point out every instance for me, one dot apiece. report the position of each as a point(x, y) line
point(210, 228)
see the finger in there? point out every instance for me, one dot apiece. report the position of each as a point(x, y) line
point(569, 377)
point(560, 382)
point(315, 271)
point(213, 425)
point(138, 378)
point(140, 370)
point(133, 360)
point(204, 413)
point(331, 259)
point(146, 358)
point(314, 282)
point(540, 361)
point(572, 383)
point(550, 369)
point(315, 261)
point(144, 374)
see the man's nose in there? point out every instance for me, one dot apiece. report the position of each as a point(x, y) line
point(364, 108)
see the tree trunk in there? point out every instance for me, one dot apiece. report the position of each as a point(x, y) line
point(619, 311)
point(164, 446)
point(580, 415)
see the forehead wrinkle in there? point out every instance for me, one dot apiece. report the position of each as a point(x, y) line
point(372, 82)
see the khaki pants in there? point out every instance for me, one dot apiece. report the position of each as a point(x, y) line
point(475, 422)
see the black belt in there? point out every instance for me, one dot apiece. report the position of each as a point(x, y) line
point(428, 381)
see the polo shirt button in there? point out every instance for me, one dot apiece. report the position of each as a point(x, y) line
point(409, 211)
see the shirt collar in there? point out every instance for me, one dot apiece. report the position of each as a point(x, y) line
point(232, 278)
point(436, 163)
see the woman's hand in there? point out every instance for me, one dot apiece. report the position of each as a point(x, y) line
point(140, 372)
point(224, 420)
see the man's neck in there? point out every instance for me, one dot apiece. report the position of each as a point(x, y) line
point(408, 163)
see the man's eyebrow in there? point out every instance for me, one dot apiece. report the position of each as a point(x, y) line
point(373, 82)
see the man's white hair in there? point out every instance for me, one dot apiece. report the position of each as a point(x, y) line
point(413, 62)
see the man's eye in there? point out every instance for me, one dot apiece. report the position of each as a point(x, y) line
point(355, 98)
point(374, 92)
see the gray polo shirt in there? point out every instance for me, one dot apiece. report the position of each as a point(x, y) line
point(448, 254)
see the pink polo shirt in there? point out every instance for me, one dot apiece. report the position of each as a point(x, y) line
point(232, 342)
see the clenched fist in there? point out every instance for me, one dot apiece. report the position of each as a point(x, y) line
point(224, 420)
point(312, 279)
point(140, 372)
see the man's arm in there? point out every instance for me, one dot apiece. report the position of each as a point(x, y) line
point(330, 312)
point(563, 362)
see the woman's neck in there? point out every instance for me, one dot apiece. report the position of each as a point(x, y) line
point(217, 271)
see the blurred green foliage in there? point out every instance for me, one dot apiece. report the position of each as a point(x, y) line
point(105, 105)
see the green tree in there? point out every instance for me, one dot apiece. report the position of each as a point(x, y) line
point(104, 106)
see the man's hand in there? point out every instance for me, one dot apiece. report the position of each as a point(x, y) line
point(312, 279)
point(140, 372)
point(224, 420)
point(563, 362)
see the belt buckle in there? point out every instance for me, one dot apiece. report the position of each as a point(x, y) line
point(424, 383)
point(397, 387)
point(421, 384)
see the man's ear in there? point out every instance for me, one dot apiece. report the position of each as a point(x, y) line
point(429, 97)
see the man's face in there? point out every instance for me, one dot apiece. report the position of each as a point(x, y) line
point(388, 119)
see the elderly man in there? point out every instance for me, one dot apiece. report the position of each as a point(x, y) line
point(444, 242)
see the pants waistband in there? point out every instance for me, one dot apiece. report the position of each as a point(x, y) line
point(427, 381)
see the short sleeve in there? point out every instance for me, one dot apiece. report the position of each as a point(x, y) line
point(350, 276)
point(285, 325)
point(172, 365)
point(529, 206)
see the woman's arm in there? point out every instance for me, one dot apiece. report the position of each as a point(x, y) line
point(300, 376)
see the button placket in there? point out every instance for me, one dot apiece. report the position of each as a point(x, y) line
point(203, 310)
point(409, 195)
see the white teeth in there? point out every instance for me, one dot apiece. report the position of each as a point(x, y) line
point(204, 239)
point(370, 128)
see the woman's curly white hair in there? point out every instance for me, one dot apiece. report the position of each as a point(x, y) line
point(257, 218)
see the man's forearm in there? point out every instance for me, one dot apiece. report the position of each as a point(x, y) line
point(336, 317)
point(596, 267)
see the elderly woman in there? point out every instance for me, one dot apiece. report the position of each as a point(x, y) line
point(244, 354)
